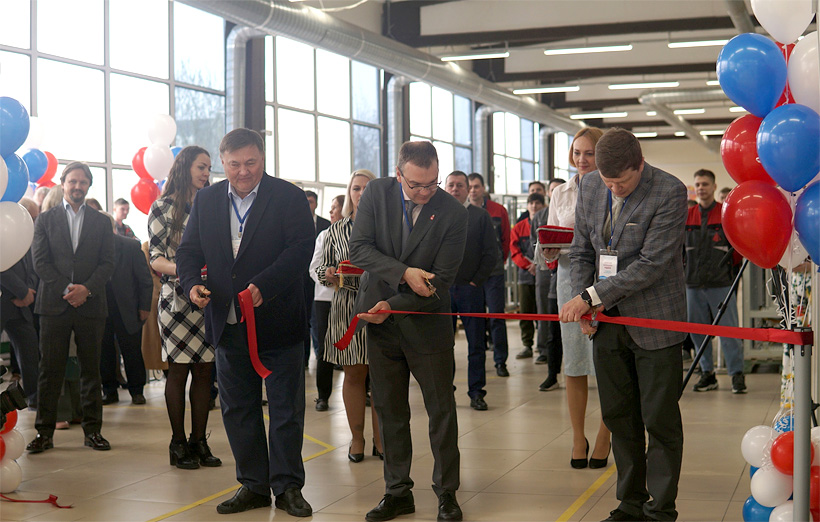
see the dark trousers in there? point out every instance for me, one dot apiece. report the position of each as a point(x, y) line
point(263, 465)
point(526, 305)
point(470, 299)
point(131, 350)
point(639, 390)
point(548, 340)
point(494, 299)
point(324, 369)
point(24, 345)
point(55, 336)
point(391, 363)
point(309, 291)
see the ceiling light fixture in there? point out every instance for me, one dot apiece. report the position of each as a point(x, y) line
point(645, 85)
point(651, 113)
point(712, 132)
point(700, 43)
point(645, 134)
point(544, 90)
point(598, 115)
point(736, 109)
point(587, 50)
point(485, 55)
point(680, 133)
point(689, 111)
point(713, 83)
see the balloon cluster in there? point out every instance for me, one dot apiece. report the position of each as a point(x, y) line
point(778, 144)
point(770, 453)
point(12, 445)
point(153, 163)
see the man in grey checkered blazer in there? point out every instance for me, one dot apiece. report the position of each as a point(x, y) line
point(639, 370)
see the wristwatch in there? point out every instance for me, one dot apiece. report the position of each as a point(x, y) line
point(586, 297)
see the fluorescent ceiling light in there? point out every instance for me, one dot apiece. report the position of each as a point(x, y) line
point(712, 132)
point(651, 113)
point(680, 133)
point(689, 111)
point(713, 83)
point(736, 109)
point(476, 56)
point(540, 90)
point(646, 85)
point(586, 50)
point(700, 43)
point(598, 115)
point(645, 134)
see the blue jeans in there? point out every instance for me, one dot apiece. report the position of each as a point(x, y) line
point(494, 298)
point(702, 305)
point(470, 299)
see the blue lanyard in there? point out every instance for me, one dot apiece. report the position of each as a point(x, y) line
point(238, 217)
point(407, 217)
point(612, 221)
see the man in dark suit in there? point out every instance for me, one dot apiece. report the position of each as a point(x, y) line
point(17, 284)
point(319, 224)
point(466, 293)
point(129, 304)
point(626, 260)
point(409, 238)
point(254, 232)
point(73, 251)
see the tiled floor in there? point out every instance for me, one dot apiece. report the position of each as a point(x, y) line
point(514, 459)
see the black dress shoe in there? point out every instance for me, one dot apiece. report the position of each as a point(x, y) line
point(199, 450)
point(137, 398)
point(376, 452)
point(479, 404)
point(243, 500)
point(448, 507)
point(616, 515)
point(294, 503)
point(97, 442)
point(580, 463)
point(321, 405)
point(501, 370)
point(40, 444)
point(390, 507)
point(110, 398)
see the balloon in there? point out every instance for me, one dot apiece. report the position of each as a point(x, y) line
point(815, 440)
point(758, 223)
point(176, 150)
point(752, 471)
point(754, 512)
point(756, 443)
point(10, 475)
point(807, 220)
point(15, 444)
point(16, 233)
point(738, 149)
point(785, 20)
point(161, 185)
point(4, 176)
point(752, 72)
point(158, 160)
point(17, 179)
point(804, 73)
point(814, 488)
point(162, 129)
point(788, 145)
point(138, 164)
point(11, 417)
point(784, 423)
point(30, 190)
point(51, 169)
point(37, 163)
point(783, 513)
point(771, 488)
point(35, 134)
point(783, 453)
point(144, 194)
point(794, 255)
point(2, 447)
point(14, 125)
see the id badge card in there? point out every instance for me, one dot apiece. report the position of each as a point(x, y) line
point(607, 264)
point(235, 243)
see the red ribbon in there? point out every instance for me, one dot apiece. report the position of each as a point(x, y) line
point(52, 499)
point(736, 332)
point(248, 316)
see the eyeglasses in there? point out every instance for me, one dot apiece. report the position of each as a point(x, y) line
point(417, 187)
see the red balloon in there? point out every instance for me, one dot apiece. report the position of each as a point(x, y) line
point(783, 453)
point(757, 220)
point(814, 495)
point(2, 448)
point(48, 183)
point(786, 97)
point(738, 149)
point(11, 422)
point(145, 193)
point(139, 167)
point(51, 170)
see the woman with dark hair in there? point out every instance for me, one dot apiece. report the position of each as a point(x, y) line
point(182, 326)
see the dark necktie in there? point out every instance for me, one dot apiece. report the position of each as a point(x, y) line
point(405, 229)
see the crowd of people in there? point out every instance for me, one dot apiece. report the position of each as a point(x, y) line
point(87, 294)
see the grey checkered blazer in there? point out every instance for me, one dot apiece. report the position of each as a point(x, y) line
point(648, 236)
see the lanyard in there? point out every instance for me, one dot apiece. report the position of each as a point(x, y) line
point(612, 221)
point(407, 217)
point(242, 218)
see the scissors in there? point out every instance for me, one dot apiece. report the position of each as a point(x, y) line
point(432, 288)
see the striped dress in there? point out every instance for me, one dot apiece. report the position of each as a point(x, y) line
point(336, 250)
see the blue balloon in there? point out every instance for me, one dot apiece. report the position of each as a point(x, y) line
point(784, 424)
point(161, 184)
point(754, 512)
point(752, 471)
point(176, 150)
point(14, 125)
point(788, 145)
point(18, 179)
point(37, 164)
point(752, 72)
point(807, 220)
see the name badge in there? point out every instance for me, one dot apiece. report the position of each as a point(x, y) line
point(607, 264)
point(235, 243)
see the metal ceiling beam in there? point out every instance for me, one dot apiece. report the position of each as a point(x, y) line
point(497, 74)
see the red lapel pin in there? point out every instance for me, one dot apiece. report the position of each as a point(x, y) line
point(431, 217)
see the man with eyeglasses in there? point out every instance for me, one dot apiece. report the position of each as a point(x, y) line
point(409, 238)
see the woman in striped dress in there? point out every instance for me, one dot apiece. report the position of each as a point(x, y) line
point(182, 326)
point(354, 358)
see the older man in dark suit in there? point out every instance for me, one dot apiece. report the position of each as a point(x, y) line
point(254, 232)
point(73, 251)
point(409, 238)
point(626, 260)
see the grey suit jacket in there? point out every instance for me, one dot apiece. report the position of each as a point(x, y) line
point(131, 287)
point(55, 261)
point(436, 245)
point(648, 236)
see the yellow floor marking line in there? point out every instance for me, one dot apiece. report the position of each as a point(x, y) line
point(580, 501)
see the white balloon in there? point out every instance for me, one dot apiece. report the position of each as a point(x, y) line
point(794, 255)
point(158, 160)
point(16, 233)
point(815, 439)
point(35, 134)
point(162, 129)
point(10, 475)
point(785, 20)
point(15, 444)
point(783, 513)
point(4, 176)
point(771, 488)
point(804, 73)
point(756, 444)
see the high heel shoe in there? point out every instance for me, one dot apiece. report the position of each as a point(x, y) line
point(354, 457)
point(376, 452)
point(580, 463)
point(600, 463)
point(199, 450)
point(180, 456)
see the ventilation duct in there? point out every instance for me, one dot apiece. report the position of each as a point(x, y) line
point(235, 66)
